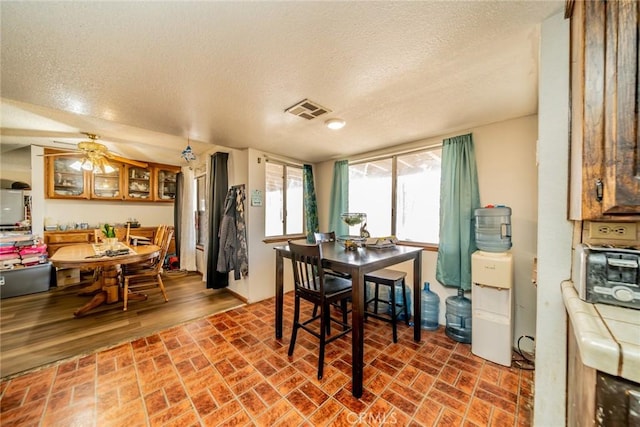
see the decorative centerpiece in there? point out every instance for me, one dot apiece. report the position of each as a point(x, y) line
point(352, 243)
point(110, 238)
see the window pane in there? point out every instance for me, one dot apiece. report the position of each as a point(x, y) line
point(294, 223)
point(274, 199)
point(370, 192)
point(201, 203)
point(418, 196)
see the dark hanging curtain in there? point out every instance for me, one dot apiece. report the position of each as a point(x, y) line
point(218, 183)
point(177, 214)
point(310, 203)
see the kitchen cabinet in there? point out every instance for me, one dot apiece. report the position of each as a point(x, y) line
point(154, 183)
point(165, 178)
point(108, 186)
point(138, 183)
point(62, 181)
point(595, 398)
point(605, 159)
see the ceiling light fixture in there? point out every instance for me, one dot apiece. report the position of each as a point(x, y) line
point(92, 163)
point(188, 153)
point(335, 123)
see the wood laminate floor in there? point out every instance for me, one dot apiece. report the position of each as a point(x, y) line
point(39, 329)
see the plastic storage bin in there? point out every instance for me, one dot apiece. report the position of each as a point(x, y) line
point(493, 228)
point(27, 280)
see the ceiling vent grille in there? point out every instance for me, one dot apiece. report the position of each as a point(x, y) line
point(307, 109)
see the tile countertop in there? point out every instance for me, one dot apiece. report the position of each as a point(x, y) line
point(608, 336)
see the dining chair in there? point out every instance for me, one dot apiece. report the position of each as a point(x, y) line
point(159, 234)
point(325, 237)
point(390, 278)
point(158, 237)
point(148, 277)
point(313, 285)
point(123, 234)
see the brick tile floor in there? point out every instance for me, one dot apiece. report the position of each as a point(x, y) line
point(229, 370)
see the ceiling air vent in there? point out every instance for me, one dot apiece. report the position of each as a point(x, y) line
point(307, 109)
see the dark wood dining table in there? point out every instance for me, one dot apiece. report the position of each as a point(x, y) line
point(356, 263)
point(107, 288)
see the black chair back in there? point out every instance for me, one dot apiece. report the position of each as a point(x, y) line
point(308, 274)
point(329, 236)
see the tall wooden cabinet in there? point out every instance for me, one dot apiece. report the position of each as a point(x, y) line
point(605, 91)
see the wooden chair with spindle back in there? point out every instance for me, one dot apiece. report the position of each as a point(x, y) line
point(148, 277)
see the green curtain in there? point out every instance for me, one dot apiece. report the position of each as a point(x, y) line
point(310, 204)
point(339, 197)
point(459, 197)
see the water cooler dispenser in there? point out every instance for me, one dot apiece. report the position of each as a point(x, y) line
point(492, 313)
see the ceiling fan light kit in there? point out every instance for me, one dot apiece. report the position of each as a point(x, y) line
point(96, 157)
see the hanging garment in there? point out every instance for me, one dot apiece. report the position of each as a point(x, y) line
point(233, 241)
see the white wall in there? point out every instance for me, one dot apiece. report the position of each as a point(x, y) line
point(554, 230)
point(93, 212)
point(15, 165)
point(507, 175)
point(505, 157)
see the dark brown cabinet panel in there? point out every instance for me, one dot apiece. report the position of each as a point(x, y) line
point(605, 169)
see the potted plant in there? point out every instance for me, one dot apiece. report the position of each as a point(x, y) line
point(109, 232)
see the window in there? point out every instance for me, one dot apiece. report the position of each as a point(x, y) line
point(284, 213)
point(400, 195)
point(201, 204)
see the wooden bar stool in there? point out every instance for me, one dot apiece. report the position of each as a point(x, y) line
point(391, 278)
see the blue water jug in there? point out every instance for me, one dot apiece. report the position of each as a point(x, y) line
point(493, 228)
point(458, 317)
point(430, 303)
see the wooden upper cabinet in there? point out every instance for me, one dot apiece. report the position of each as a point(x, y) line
point(605, 91)
point(138, 183)
point(165, 178)
point(108, 186)
point(63, 181)
point(154, 183)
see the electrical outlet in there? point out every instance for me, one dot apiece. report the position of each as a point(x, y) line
point(612, 230)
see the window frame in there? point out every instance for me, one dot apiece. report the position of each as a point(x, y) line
point(394, 189)
point(279, 237)
point(199, 219)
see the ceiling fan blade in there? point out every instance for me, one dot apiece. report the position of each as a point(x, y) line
point(68, 154)
point(112, 156)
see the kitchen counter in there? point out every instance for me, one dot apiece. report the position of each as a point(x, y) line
point(608, 337)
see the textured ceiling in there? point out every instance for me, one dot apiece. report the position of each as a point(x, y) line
point(148, 75)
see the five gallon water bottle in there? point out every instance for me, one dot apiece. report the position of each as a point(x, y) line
point(458, 317)
point(493, 228)
point(430, 302)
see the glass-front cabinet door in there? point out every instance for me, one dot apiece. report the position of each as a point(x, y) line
point(138, 183)
point(108, 186)
point(166, 184)
point(63, 180)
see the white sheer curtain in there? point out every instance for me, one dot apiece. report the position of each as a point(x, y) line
point(188, 224)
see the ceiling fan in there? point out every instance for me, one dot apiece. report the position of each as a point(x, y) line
point(96, 156)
